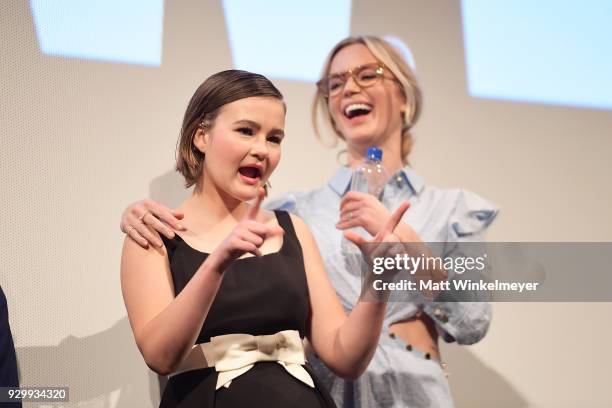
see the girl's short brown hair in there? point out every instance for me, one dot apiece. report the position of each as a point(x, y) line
point(219, 89)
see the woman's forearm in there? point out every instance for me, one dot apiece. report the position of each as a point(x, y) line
point(169, 337)
point(357, 338)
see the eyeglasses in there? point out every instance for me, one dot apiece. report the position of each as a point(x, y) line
point(363, 75)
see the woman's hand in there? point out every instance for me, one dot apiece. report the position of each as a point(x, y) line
point(362, 210)
point(385, 234)
point(142, 221)
point(398, 239)
point(387, 243)
point(248, 236)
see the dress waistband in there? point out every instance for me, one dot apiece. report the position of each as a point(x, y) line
point(234, 354)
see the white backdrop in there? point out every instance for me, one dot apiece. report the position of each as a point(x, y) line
point(81, 139)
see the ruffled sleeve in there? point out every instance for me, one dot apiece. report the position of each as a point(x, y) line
point(471, 216)
point(464, 322)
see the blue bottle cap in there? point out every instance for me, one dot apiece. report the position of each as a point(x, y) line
point(374, 153)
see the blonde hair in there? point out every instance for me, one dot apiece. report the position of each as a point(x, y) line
point(388, 55)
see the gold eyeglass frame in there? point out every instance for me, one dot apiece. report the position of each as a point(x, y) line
point(323, 84)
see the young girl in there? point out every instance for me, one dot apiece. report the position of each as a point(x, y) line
point(223, 307)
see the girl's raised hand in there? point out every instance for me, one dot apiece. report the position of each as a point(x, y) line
point(247, 237)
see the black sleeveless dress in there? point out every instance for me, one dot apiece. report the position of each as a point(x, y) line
point(258, 296)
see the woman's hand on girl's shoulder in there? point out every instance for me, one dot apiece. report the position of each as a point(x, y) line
point(138, 216)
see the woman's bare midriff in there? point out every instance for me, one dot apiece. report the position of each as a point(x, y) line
point(420, 332)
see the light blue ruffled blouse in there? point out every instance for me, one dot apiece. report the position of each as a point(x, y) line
point(397, 376)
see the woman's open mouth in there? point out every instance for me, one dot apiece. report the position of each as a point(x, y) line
point(357, 112)
point(250, 175)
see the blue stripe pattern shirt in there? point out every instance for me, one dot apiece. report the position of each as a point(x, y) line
point(398, 376)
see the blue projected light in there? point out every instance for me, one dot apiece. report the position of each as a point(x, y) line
point(545, 51)
point(285, 39)
point(109, 30)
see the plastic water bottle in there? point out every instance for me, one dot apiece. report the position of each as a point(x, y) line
point(370, 176)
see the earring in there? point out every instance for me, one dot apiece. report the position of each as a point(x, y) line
point(267, 186)
point(405, 124)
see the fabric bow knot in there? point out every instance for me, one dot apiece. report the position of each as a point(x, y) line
point(234, 354)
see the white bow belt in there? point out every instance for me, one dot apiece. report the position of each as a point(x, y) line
point(234, 354)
